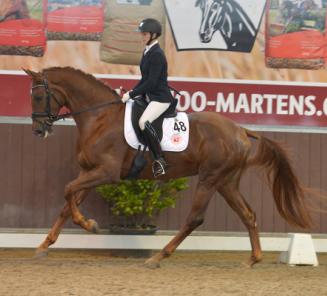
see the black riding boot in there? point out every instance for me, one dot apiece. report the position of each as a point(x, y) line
point(151, 139)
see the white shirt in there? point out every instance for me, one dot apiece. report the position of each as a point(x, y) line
point(148, 47)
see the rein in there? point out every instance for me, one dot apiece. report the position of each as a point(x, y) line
point(68, 114)
point(55, 117)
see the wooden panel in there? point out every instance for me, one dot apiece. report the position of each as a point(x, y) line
point(323, 172)
point(315, 173)
point(280, 224)
point(34, 181)
point(4, 174)
point(34, 172)
point(12, 193)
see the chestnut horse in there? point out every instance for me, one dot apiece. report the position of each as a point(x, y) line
point(13, 9)
point(218, 152)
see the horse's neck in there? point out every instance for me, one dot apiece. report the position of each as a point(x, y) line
point(236, 24)
point(86, 101)
point(81, 91)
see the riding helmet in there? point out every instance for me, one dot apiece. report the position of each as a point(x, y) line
point(150, 25)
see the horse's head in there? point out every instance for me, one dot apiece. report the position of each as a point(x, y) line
point(13, 9)
point(46, 103)
point(212, 17)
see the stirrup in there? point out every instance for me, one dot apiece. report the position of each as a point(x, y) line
point(158, 167)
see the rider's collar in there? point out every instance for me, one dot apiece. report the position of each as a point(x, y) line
point(148, 47)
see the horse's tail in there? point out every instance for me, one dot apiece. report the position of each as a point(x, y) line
point(286, 188)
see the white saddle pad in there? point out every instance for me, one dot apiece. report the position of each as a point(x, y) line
point(175, 131)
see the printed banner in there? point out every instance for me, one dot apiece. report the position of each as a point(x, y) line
point(75, 20)
point(22, 27)
point(295, 35)
point(230, 25)
point(257, 103)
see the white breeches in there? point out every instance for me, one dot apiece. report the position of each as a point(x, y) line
point(152, 112)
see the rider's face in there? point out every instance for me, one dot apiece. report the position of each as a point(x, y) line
point(145, 36)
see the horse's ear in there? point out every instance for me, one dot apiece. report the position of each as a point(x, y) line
point(31, 73)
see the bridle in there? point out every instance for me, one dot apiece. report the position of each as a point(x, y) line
point(50, 116)
point(47, 112)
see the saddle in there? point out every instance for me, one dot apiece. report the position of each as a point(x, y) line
point(138, 108)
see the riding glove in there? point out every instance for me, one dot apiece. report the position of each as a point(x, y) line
point(125, 97)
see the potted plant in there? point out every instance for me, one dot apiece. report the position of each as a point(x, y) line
point(135, 204)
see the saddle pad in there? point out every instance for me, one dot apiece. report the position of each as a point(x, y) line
point(175, 131)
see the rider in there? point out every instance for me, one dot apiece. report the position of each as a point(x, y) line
point(154, 86)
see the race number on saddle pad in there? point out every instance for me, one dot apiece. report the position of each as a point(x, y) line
point(175, 131)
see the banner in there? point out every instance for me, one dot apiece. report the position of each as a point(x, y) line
point(233, 83)
point(22, 27)
point(295, 34)
point(222, 24)
point(75, 20)
point(248, 102)
point(121, 44)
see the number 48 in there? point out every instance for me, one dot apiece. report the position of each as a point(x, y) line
point(179, 126)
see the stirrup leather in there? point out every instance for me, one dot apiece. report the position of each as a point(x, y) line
point(158, 167)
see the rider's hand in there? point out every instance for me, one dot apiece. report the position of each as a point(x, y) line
point(125, 97)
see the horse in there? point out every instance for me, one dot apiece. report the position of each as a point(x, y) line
point(229, 18)
point(13, 10)
point(219, 152)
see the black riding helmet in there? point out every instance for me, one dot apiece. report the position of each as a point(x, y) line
point(151, 26)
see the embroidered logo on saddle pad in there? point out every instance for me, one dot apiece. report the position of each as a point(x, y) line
point(175, 131)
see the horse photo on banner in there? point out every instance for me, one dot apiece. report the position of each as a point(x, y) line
point(22, 27)
point(295, 34)
point(230, 25)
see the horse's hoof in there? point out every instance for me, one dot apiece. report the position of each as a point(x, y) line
point(152, 264)
point(247, 264)
point(39, 254)
point(251, 262)
point(94, 227)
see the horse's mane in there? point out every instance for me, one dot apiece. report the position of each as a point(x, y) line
point(79, 72)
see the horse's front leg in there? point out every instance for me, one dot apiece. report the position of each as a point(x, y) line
point(53, 234)
point(88, 180)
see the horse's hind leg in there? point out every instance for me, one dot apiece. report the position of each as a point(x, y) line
point(53, 234)
point(203, 194)
point(237, 202)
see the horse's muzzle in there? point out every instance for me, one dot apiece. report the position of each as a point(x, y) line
point(205, 38)
point(41, 130)
point(41, 133)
